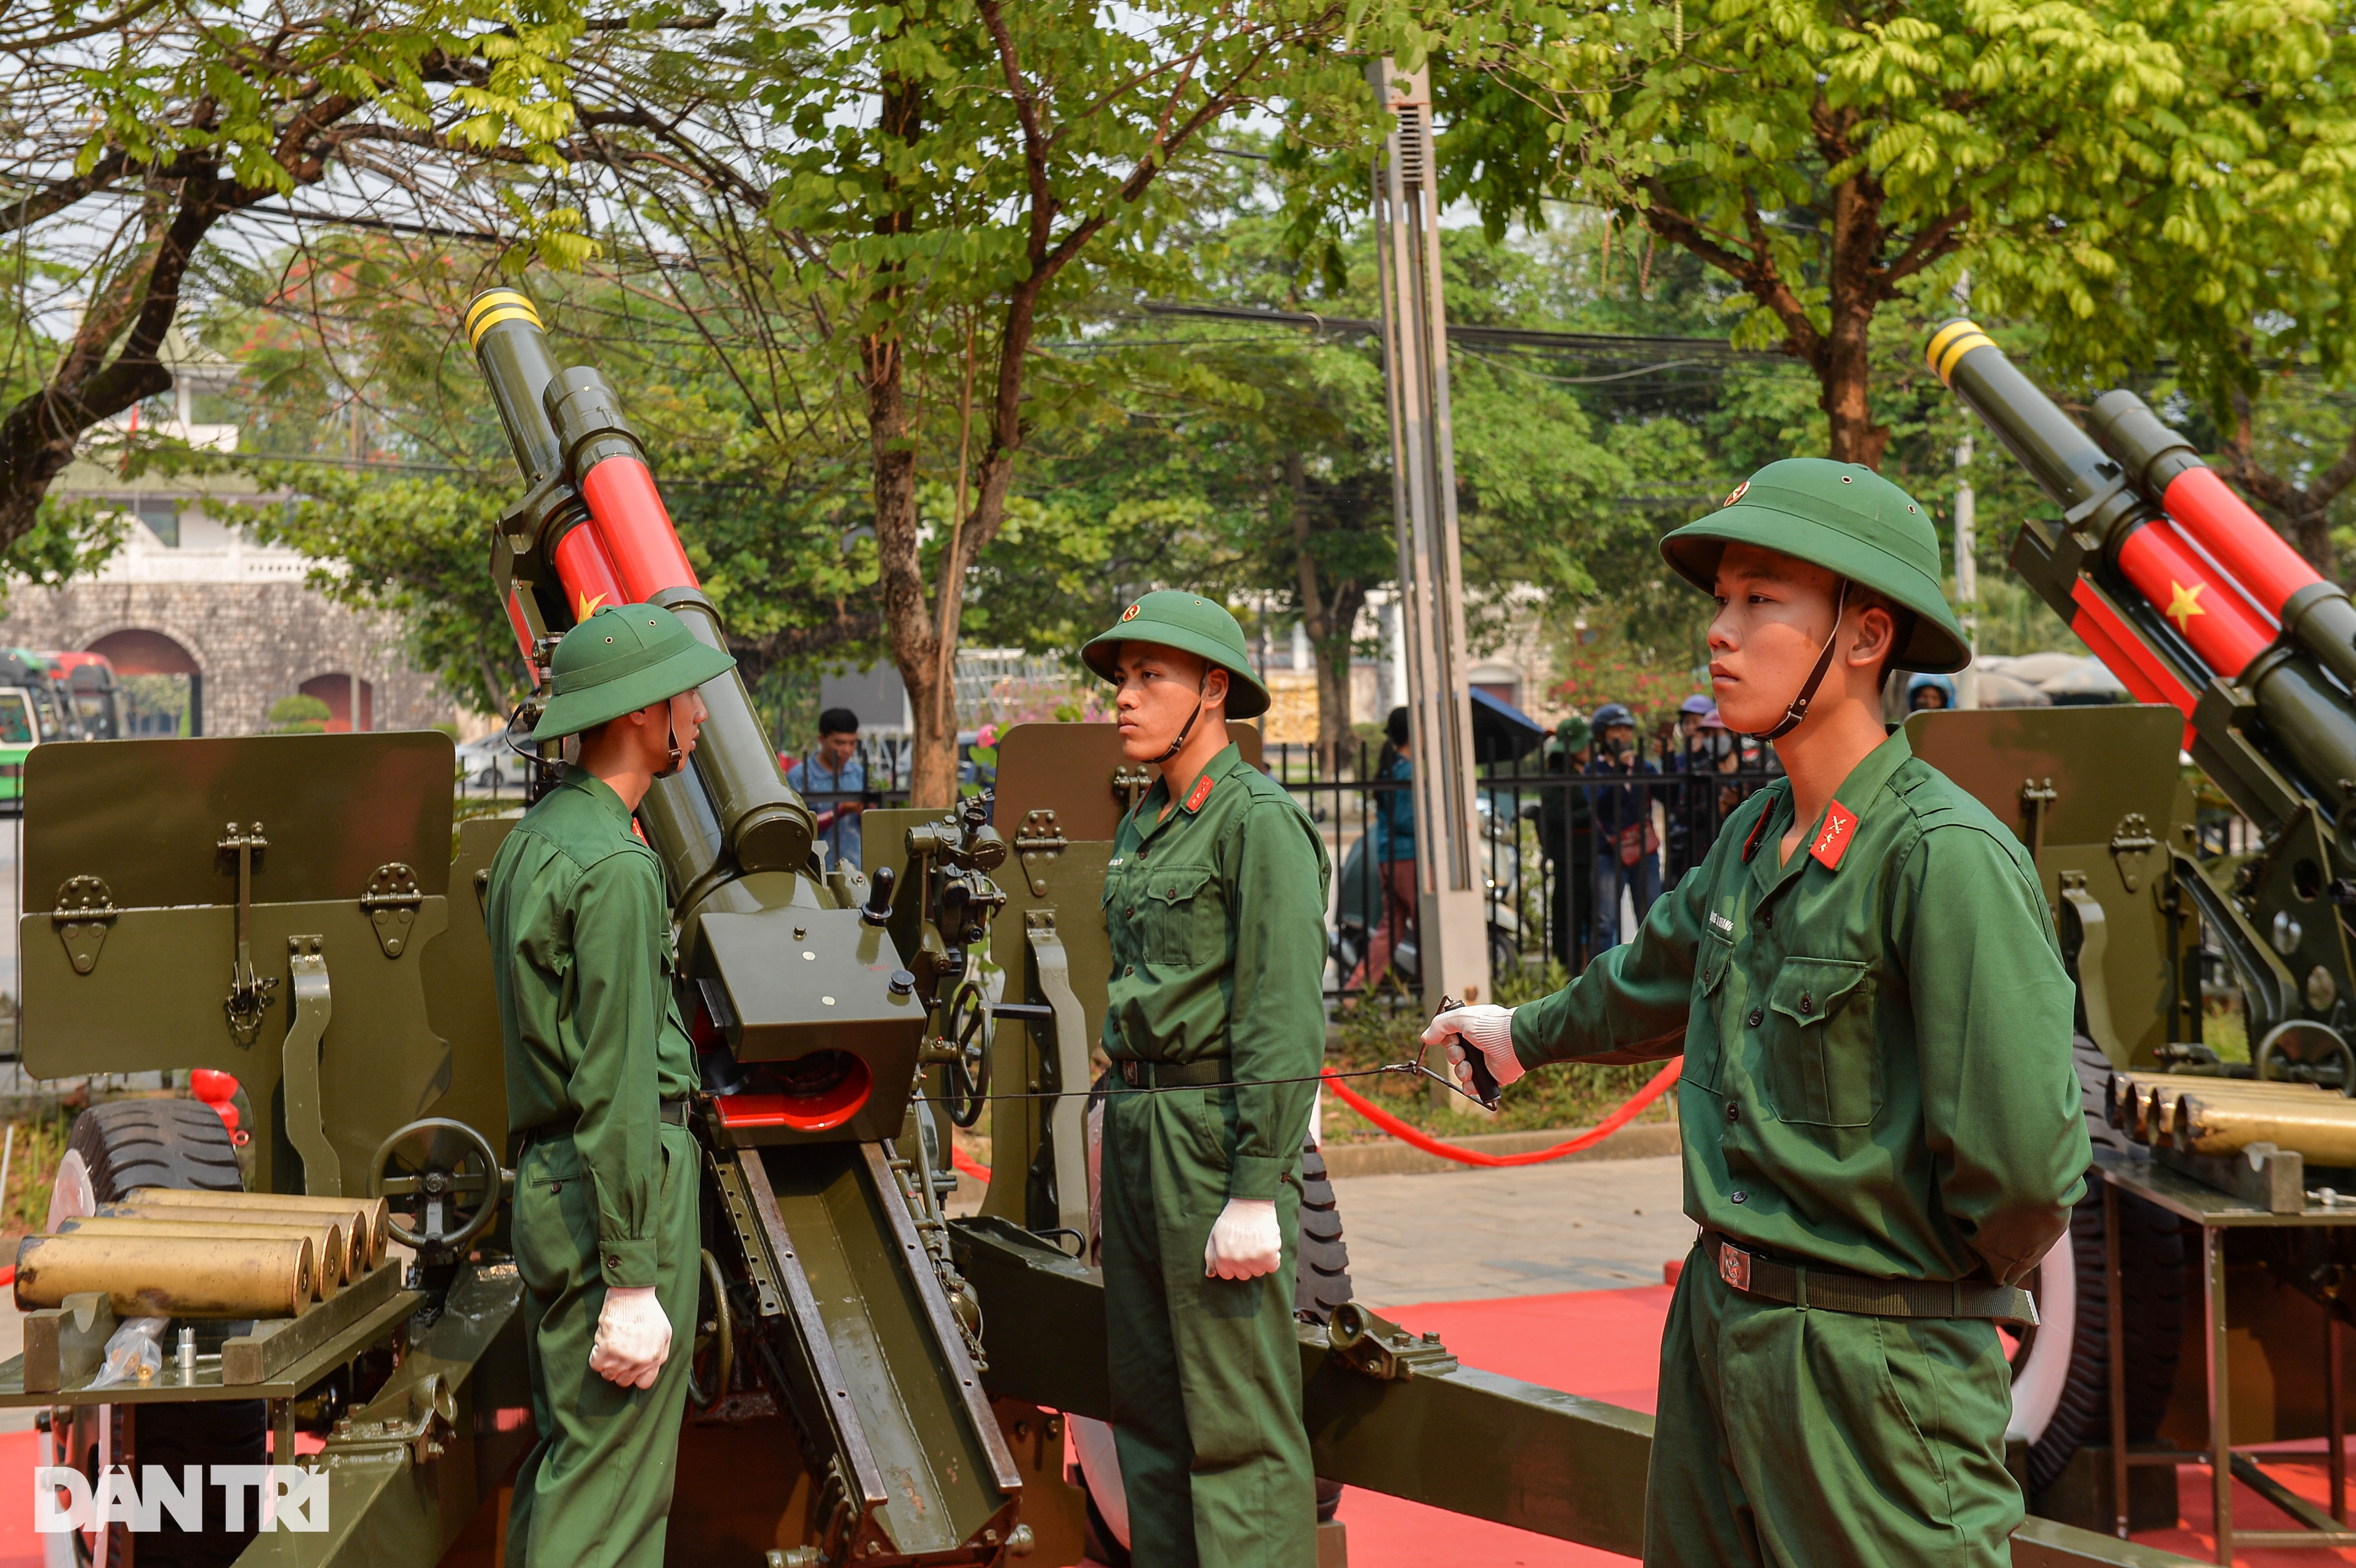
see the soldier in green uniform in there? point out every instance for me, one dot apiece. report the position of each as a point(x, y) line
point(1215, 899)
point(599, 1067)
point(1883, 1130)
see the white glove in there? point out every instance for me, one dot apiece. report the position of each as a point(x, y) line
point(1244, 1242)
point(1485, 1028)
point(633, 1337)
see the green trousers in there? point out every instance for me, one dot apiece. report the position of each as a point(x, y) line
point(595, 1491)
point(1205, 1372)
point(1792, 1437)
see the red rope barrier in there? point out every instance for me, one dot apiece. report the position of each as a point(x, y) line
point(1406, 1133)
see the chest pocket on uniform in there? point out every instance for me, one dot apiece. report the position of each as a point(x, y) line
point(1179, 908)
point(1825, 1070)
point(1703, 1044)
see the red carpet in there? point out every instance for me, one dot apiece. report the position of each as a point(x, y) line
point(1606, 1344)
point(19, 1547)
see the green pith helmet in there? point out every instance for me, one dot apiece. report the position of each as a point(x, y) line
point(1176, 619)
point(621, 660)
point(1847, 519)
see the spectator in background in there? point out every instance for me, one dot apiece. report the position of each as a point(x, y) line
point(1567, 831)
point(1688, 803)
point(1393, 848)
point(833, 780)
point(1627, 843)
point(1931, 691)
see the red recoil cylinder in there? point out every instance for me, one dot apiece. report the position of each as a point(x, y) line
point(2257, 562)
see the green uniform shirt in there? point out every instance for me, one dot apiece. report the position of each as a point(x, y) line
point(1877, 1071)
point(581, 951)
point(1217, 912)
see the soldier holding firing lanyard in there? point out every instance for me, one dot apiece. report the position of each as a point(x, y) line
point(1881, 1123)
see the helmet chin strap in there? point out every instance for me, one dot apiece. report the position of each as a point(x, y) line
point(1799, 708)
point(670, 729)
point(1201, 689)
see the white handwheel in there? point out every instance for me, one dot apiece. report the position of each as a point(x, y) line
point(1100, 1468)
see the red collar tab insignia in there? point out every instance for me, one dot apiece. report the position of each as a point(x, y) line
point(1758, 831)
point(1736, 494)
point(1832, 839)
point(1131, 613)
point(1199, 793)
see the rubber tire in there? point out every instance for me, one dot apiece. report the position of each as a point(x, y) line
point(2155, 1292)
point(1320, 1284)
point(130, 1144)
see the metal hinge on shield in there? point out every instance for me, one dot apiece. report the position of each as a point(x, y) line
point(249, 993)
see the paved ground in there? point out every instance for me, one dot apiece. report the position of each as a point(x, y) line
point(1529, 1230)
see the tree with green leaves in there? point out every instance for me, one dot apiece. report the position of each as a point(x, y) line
point(140, 127)
point(2124, 173)
point(933, 192)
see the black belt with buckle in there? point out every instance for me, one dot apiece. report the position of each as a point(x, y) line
point(1836, 1290)
point(671, 1111)
point(1210, 1070)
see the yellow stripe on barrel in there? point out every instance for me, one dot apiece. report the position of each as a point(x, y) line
point(1951, 343)
point(495, 306)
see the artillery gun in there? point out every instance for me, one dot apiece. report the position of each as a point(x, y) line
point(875, 1383)
point(2243, 657)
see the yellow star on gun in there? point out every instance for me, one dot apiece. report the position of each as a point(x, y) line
point(589, 602)
point(2184, 605)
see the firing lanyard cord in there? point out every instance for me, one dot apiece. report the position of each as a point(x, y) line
point(1799, 708)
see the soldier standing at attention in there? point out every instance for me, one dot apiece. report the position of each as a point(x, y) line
point(1881, 1123)
point(1215, 899)
point(599, 1068)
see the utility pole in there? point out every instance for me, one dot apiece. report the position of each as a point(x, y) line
point(1452, 881)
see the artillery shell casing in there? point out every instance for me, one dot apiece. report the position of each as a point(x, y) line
point(2324, 1133)
point(375, 1213)
point(2153, 1113)
point(332, 1237)
point(329, 1249)
point(165, 1276)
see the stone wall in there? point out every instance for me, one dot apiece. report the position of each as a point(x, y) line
point(253, 643)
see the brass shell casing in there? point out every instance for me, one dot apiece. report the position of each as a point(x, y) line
point(330, 1250)
point(2323, 1132)
point(161, 1276)
point(374, 1215)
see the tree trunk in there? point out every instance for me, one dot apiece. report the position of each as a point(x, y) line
point(39, 435)
point(1847, 379)
point(1332, 653)
point(2300, 513)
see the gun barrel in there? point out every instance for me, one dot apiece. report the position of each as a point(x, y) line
point(2314, 614)
point(595, 512)
point(2210, 616)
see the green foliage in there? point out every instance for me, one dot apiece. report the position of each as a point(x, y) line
point(2141, 176)
point(299, 715)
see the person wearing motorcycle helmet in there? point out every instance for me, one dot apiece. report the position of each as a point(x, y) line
point(1925, 691)
point(1627, 840)
point(1880, 1118)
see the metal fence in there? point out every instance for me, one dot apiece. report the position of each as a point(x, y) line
point(1573, 848)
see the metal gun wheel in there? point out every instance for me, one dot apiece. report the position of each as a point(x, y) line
point(2304, 1051)
point(715, 1357)
point(965, 1080)
point(442, 1168)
